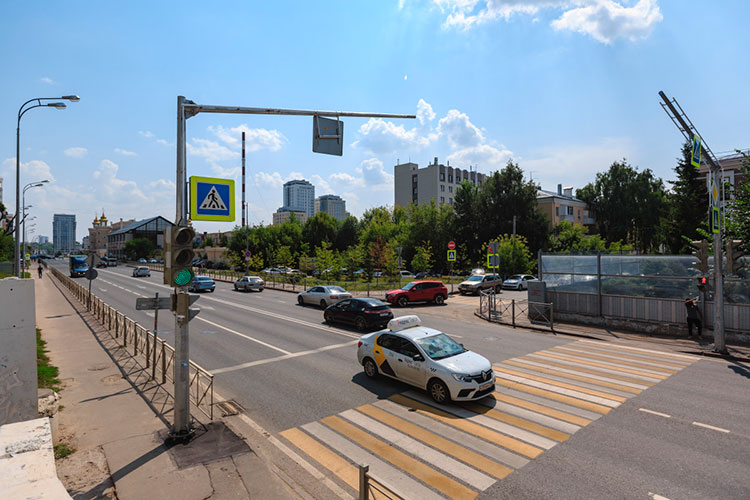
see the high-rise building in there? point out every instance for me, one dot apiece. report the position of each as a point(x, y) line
point(299, 196)
point(281, 216)
point(63, 233)
point(43, 240)
point(332, 205)
point(413, 185)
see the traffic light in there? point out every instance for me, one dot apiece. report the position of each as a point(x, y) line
point(733, 256)
point(701, 252)
point(702, 284)
point(179, 255)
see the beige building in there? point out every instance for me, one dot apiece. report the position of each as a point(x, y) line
point(413, 185)
point(333, 205)
point(281, 216)
point(732, 171)
point(562, 205)
point(97, 240)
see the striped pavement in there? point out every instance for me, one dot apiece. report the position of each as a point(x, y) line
point(429, 451)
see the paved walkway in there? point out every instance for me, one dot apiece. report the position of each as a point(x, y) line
point(116, 418)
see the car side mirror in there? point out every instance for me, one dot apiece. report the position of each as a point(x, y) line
point(418, 357)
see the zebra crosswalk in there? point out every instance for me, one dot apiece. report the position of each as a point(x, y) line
point(424, 450)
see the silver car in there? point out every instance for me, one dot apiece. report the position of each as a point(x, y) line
point(323, 295)
point(519, 281)
point(141, 271)
point(247, 283)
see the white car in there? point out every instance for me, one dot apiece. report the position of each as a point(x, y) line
point(407, 274)
point(247, 283)
point(519, 281)
point(141, 271)
point(323, 295)
point(428, 359)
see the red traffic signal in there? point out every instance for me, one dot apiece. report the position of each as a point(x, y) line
point(702, 283)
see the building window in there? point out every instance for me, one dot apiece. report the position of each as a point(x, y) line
point(442, 199)
point(414, 191)
point(450, 189)
point(570, 210)
point(557, 211)
point(450, 177)
point(450, 200)
point(442, 187)
point(442, 176)
point(579, 214)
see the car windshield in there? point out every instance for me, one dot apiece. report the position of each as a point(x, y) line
point(515, 277)
point(408, 286)
point(336, 289)
point(440, 346)
point(476, 278)
point(202, 278)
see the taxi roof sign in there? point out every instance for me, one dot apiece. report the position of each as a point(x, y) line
point(404, 322)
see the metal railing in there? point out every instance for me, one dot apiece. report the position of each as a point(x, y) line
point(159, 355)
point(372, 488)
point(515, 312)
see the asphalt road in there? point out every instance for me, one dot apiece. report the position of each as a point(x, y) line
point(608, 420)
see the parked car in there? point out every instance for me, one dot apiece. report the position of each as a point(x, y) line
point(418, 291)
point(478, 282)
point(142, 260)
point(477, 270)
point(152, 261)
point(201, 284)
point(407, 274)
point(141, 271)
point(363, 313)
point(519, 281)
point(323, 296)
point(101, 263)
point(428, 359)
point(247, 283)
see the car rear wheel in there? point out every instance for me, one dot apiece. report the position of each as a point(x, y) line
point(300, 300)
point(439, 391)
point(439, 299)
point(498, 289)
point(360, 324)
point(323, 303)
point(328, 317)
point(402, 301)
point(371, 369)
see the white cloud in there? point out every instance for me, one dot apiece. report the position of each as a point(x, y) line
point(212, 151)
point(321, 185)
point(382, 137)
point(255, 138)
point(163, 142)
point(34, 170)
point(125, 152)
point(47, 80)
point(113, 186)
point(275, 180)
point(487, 157)
point(425, 114)
point(458, 130)
point(603, 20)
point(76, 152)
point(147, 134)
point(607, 20)
point(374, 175)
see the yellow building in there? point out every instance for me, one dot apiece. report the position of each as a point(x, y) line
point(562, 205)
point(98, 235)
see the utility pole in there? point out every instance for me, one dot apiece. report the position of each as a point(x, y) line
point(716, 205)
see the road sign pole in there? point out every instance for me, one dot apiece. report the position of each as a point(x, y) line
point(181, 425)
point(153, 351)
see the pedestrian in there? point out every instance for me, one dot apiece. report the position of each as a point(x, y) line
point(40, 270)
point(694, 317)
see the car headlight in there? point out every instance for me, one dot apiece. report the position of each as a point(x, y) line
point(461, 377)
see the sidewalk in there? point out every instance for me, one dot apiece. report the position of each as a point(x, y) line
point(116, 420)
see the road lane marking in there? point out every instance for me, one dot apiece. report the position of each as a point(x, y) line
point(652, 412)
point(571, 375)
point(530, 416)
point(656, 496)
point(518, 422)
point(538, 408)
point(563, 385)
point(625, 363)
point(582, 372)
point(637, 356)
point(611, 373)
point(625, 358)
point(711, 427)
point(505, 377)
point(568, 400)
point(610, 366)
point(652, 351)
point(280, 358)
point(248, 337)
point(439, 481)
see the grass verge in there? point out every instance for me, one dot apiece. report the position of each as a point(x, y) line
point(62, 450)
point(46, 373)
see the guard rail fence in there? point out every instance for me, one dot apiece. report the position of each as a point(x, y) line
point(515, 312)
point(158, 354)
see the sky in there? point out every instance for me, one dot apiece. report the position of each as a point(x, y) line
point(564, 88)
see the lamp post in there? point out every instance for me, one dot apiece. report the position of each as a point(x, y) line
point(21, 111)
point(23, 241)
point(23, 201)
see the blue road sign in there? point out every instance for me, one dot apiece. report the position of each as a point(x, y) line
point(695, 157)
point(451, 255)
point(211, 199)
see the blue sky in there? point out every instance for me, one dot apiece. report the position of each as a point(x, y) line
point(563, 87)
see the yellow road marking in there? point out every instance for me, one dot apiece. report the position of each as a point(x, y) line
point(600, 365)
point(474, 459)
point(632, 364)
point(572, 376)
point(554, 396)
point(425, 473)
point(518, 422)
point(502, 440)
point(550, 412)
point(573, 387)
point(634, 357)
point(328, 459)
point(589, 370)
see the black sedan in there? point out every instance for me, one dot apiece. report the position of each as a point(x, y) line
point(363, 313)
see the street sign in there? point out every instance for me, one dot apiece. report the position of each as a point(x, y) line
point(493, 261)
point(493, 246)
point(715, 219)
point(328, 136)
point(28, 256)
point(91, 274)
point(151, 303)
point(451, 255)
point(695, 157)
point(398, 249)
point(248, 254)
point(451, 245)
point(400, 262)
point(211, 199)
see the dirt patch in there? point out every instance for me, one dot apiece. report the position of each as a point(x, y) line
point(85, 475)
point(112, 379)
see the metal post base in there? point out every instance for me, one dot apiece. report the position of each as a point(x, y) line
point(175, 438)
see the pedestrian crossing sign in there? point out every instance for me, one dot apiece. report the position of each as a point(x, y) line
point(451, 255)
point(211, 199)
point(695, 156)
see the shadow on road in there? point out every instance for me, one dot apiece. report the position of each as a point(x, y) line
point(740, 369)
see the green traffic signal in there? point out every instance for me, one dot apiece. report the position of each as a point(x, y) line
point(184, 277)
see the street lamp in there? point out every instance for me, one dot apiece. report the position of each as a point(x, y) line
point(23, 199)
point(21, 111)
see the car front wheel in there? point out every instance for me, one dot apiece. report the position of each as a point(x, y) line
point(439, 299)
point(402, 301)
point(328, 317)
point(439, 391)
point(300, 301)
point(371, 369)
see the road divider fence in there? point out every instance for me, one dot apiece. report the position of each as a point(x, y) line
point(370, 487)
point(515, 312)
point(158, 354)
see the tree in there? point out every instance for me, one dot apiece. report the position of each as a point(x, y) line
point(325, 259)
point(686, 205)
point(422, 258)
point(284, 256)
point(347, 234)
point(138, 248)
point(209, 242)
point(319, 228)
point(514, 255)
point(738, 211)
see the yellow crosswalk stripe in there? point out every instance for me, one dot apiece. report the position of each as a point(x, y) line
point(425, 473)
point(550, 412)
point(446, 446)
point(328, 459)
point(625, 355)
point(502, 440)
point(580, 378)
point(601, 365)
point(518, 422)
point(573, 387)
point(603, 359)
point(554, 396)
point(589, 370)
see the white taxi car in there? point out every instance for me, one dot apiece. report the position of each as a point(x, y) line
point(428, 359)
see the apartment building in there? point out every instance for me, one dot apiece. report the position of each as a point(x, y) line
point(63, 233)
point(413, 185)
point(562, 205)
point(333, 205)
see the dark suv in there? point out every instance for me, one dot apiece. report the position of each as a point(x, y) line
point(418, 291)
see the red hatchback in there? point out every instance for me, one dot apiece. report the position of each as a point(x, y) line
point(418, 291)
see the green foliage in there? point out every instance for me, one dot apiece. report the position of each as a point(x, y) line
point(7, 248)
point(422, 258)
point(46, 373)
point(686, 205)
point(209, 242)
point(569, 237)
point(62, 450)
point(515, 257)
point(284, 256)
point(139, 248)
point(325, 259)
point(738, 211)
